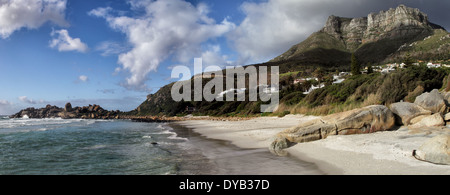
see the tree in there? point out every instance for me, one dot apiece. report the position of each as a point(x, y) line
point(408, 61)
point(356, 67)
point(328, 79)
point(369, 69)
point(319, 74)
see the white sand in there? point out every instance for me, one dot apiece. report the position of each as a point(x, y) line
point(379, 153)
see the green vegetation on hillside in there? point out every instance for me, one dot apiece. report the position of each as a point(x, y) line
point(356, 91)
point(435, 47)
point(367, 89)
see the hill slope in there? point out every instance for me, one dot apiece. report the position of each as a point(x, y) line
point(376, 38)
point(387, 36)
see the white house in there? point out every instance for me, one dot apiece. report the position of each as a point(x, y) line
point(431, 65)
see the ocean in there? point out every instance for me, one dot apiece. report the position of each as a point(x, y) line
point(122, 147)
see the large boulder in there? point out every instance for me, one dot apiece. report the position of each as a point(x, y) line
point(405, 111)
point(434, 120)
point(435, 150)
point(359, 121)
point(433, 101)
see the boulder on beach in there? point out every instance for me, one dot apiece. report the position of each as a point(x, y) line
point(436, 150)
point(405, 112)
point(433, 101)
point(447, 117)
point(434, 120)
point(359, 121)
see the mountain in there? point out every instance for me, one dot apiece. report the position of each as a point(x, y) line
point(387, 36)
point(378, 38)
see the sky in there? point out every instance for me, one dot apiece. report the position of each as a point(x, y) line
point(115, 52)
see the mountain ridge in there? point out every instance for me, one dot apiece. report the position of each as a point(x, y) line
point(387, 36)
point(358, 35)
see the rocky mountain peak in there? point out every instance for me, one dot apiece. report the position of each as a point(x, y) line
point(400, 21)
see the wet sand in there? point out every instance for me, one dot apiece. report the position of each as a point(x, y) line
point(225, 158)
point(381, 153)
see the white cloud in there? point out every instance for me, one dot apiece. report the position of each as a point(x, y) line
point(63, 42)
point(109, 48)
point(169, 28)
point(6, 107)
point(30, 14)
point(83, 78)
point(4, 102)
point(271, 27)
point(213, 57)
point(27, 100)
point(101, 12)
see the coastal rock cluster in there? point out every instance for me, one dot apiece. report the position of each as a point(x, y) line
point(429, 110)
point(359, 121)
point(85, 112)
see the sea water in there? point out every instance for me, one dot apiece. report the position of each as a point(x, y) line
point(122, 147)
point(93, 147)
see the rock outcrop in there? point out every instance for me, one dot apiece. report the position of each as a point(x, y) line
point(381, 37)
point(359, 121)
point(436, 150)
point(68, 107)
point(434, 120)
point(433, 101)
point(378, 118)
point(405, 112)
point(398, 22)
point(86, 112)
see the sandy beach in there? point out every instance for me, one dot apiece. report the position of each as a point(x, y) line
point(382, 153)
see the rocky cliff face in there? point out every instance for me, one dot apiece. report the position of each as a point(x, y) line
point(398, 22)
point(377, 38)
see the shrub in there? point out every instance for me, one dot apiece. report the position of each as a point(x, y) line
point(283, 114)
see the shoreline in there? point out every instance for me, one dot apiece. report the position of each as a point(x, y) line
point(381, 153)
point(225, 158)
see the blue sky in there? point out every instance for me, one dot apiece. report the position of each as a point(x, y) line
point(115, 52)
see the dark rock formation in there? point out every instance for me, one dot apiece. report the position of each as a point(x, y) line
point(86, 112)
point(68, 107)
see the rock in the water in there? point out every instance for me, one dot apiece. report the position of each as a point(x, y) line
point(434, 120)
point(68, 107)
point(405, 112)
point(435, 150)
point(359, 121)
point(91, 112)
point(433, 101)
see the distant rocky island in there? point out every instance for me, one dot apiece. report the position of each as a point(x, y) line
point(85, 112)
